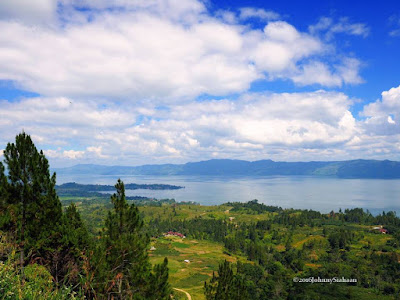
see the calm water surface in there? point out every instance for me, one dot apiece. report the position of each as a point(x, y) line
point(323, 194)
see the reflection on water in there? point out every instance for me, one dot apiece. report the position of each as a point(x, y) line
point(323, 194)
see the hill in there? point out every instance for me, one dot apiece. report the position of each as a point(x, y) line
point(217, 167)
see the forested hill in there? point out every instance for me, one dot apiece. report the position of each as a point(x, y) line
point(90, 190)
point(342, 169)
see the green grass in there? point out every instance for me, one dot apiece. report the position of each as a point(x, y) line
point(204, 257)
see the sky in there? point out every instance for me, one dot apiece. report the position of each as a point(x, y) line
point(132, 82)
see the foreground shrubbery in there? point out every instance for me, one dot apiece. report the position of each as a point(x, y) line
point(37, 282)
point(52, 256)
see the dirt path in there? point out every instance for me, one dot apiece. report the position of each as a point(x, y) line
point(187, 294)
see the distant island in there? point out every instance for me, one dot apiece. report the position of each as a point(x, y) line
point(73, 189)
point(69, 191)
point(359, 168)
point(105, 188)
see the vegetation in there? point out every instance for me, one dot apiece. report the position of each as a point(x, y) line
point(82, 247)
point(58, 258)
point(76, 189)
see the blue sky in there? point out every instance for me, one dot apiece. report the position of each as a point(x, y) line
point(135, 82)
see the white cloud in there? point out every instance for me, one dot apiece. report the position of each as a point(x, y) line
point(66, 154)
point(282, 47)
point(318, 72)
point(152, 50)
point(382, 114)
point(287, 126)
point(329, 27)
point(72, 154)
point(118, 82)
point(58, 121)
point(255, 125)
point(171, 9)
point(251, 12)
point(97, 150)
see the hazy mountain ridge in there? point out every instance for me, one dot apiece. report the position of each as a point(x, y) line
point(359, 168)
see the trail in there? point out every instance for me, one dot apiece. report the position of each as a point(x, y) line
point(187, 294)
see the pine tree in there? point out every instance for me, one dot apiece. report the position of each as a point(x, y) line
point(127, 269)
point(5, 211)
point(160, 286)
point(226, 285)
point(65, 261)
point(32, 193)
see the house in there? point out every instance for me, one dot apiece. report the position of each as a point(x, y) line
point(174, 233)
point(187, 261)
point(152, 248)
point(231, 218)
point(381, 229)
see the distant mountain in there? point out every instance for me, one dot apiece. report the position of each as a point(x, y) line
point(342, 169)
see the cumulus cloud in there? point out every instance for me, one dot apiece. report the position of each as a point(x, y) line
point(66, 154)
point(153, 50)
point(118, 82)
point(97, 151)
point(318, 72)
point(282, 126)
point(59, 120)
point(255, 125)
point(378, 132)
point(382, 115)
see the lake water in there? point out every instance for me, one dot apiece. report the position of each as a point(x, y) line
point(317, 193)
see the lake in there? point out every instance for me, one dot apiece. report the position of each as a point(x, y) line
point(305, 192)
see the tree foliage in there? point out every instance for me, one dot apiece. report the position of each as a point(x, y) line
point(58, 242)
point(126, 270)
point(34, 210)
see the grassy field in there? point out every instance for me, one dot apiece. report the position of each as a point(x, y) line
point(204, 257)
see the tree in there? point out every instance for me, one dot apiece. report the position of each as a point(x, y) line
point(226, 285)
point(31, 191)
point(126, 269)
point(5, 212)
point(65, 261)
point(160, 286)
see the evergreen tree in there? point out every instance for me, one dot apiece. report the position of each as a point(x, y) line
point(31, 195)
point(226, 285)
point(5, 210)
point(160, 286)
point(126, 270)
point(65, 261)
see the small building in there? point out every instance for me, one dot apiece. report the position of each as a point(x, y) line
point(231, 218)
point(174, 233)
point(383, 231)
point(152, 248)
point(187, 261)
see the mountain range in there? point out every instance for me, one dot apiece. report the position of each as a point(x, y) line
point(360, 168)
